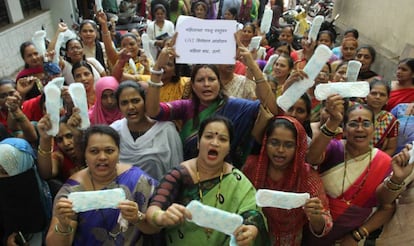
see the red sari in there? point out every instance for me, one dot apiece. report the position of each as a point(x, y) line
point(285, 226)
point(400, 96)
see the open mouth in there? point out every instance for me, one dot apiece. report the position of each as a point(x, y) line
point(212, 154)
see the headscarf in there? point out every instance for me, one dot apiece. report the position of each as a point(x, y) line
point(29, 71)
point(97, 114)
point(289, 222)
point(16, 156)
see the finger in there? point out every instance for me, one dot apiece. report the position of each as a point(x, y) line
point(173, 39)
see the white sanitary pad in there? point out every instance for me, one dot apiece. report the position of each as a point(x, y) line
point(352, 70)
point(215, 218)
point(345, 89)
point(78, 94)
point(90, 200)
point(312, 69)
point(280, 199)
point(52, 93)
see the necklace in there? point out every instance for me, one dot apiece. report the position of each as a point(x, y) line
point(208, 231)
point(349, 201)
point(410, 113)
point(113, 235)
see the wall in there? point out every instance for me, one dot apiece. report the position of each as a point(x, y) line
point(11, 39)
point(386, 25)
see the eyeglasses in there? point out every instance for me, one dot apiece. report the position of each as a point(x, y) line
point(6, 94)
point(277, 144)
point(75, 48)
point(356, 124)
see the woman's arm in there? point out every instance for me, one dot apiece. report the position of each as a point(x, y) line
point(111, 53)
point(62, 27)
point(47, 162)
point(63, 225)
point(17, 120)
point(316, 151)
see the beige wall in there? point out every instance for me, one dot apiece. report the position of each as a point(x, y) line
point(385, 24)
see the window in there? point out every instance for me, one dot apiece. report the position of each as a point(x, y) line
point(4, 17)
point(30, 7)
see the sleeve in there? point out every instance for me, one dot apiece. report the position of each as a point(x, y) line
point(394, 128)
point(168, 188)
point(175, 110)
point(145, 188)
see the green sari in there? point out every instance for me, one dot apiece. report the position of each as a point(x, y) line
point(237, 195)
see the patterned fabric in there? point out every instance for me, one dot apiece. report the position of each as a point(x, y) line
point(386, 126)
point(286, 226)
point(351, 208)
point(237, 197)
point(406, 120)
point(241, 87)
point(96, 226)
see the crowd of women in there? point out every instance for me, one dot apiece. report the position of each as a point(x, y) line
point(169, 133)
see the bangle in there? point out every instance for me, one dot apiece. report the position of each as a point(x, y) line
point(141, 217)
point(20, 118)
point(156, 85)
point(258, 81)
point(391, 186)
point(70, 230)
point(44, 152)
point(157, 72)
point(155, 216)
point(106, 33)
point(364, 230)
point(356, 236)
point(396, 184)
point(326, 131)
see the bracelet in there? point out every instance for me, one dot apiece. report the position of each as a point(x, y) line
point(155, 216)
point(396, 188)
point(356, 236)
point(44, 152)
point(106, 33)
point(396, 184)
point(326, 131)
point(70, 230)
point(141, 217)
point(153, 84)
point(19, 118)
point(157, 72)
point(258, 81)
point(364, 230)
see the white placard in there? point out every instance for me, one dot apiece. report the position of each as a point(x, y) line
point(205, 41)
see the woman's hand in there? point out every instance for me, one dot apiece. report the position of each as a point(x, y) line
point(129, 210)
point(101, 17)
point(25, 84)
point(245, 234)
point(64, 212)
point(313, 208)
point(400, 166)
point(334, 106)
point(347, 240)
point(13, 102)
point(75, 119)
point(166, 53)
point(293, 78)
point(174, 215)
point(44, 125)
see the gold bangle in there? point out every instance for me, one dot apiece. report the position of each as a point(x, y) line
point(364, 230)
point(258, 81)
point(44, 152)
point(70, 230)
point(155, 216)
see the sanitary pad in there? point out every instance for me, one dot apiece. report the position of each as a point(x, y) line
point(78, 94)
point(90, 200)
point(280, 199)
point(345, 89)
point(52, 93)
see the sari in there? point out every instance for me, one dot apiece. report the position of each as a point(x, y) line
point(241, 112)
point(351, 205)
point(286, 226)
point(97, 113)
point(406, 121)
point(400, 96)
point(237, 197)
point(94, 226)
point(386, 126)
point(156, 151)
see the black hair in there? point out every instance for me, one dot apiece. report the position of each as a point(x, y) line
point(217, 118)
point(195, 98)
point(370, 49)
point(81, 64)
point(307, 123)
point(354, 32)
point(380, 82)
point(289, 58)
point(23, 47)
point(100, 129)
point(66, 48)
point(98, 48)
point(278, 122)
point(129, 84)
point(233, 11)
point(253, 26)
point(283, 43)
point(6, 81)
point(410, 63)
point(358, 106)
point(330, 34)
